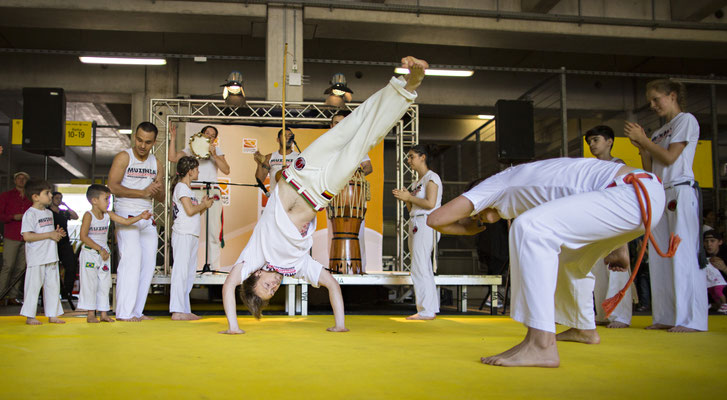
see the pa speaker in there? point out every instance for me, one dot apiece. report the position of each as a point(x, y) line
point(44, 121)
point(515, 132)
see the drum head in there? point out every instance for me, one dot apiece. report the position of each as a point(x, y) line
point(199, 145)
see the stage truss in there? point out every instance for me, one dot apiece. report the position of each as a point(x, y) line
point(163, 112)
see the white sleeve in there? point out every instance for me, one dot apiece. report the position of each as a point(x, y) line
point(686, 129)
point(366, 158)
point(482, 196)
point(219, 152)
point(30, 223)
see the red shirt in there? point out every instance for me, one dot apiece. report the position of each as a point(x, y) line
point(11, 203)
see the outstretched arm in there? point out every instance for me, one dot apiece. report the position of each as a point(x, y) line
point(234, 279)
point(454, 218)
point(336, 299)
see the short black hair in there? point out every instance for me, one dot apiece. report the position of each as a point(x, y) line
point(204, 128)
point(147, 126)
point(601, 130)
point(341, 113)
point(56, 193)
point(96, 190)
point(280, 132)
point(35, 186)
point(712, 234)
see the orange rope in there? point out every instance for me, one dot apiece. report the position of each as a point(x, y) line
point(610, 304)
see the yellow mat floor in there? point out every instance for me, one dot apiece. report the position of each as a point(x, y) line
point(383, 357)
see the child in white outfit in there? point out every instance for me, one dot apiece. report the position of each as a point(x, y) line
point(95, 271)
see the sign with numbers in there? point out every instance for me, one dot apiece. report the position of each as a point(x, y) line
point(78, 133)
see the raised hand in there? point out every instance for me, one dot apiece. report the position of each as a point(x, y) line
point(208, 202)
point(172, 132)
point(259, 158)
point(636, 134)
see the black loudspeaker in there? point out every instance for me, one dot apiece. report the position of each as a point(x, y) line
point(515, 131)
point(44, 121)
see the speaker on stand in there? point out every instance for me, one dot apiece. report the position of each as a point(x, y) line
point(515, 131)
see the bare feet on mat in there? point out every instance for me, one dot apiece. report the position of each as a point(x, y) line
point(587, 336)
point(337, 329)
point(419, 317)
point(177, 316)
point(56, 320)
point(134, 319)
point(616, 324)
point(681, 329)
point(145, 318)
point(106, 318)
point(232, 332)
point(659, 326)
point(32, 321)
point(538, 349)
point(91, 319)
point(416, 72)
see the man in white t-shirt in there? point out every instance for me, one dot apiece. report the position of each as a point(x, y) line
point(208, 169)
point(272, 163)
point(569, 212)
point(367, 169)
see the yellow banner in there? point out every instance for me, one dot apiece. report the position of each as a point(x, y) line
point(702, 166)
point(78, 133)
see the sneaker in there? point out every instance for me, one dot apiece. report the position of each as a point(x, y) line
point(500, 300)
point(723, 309)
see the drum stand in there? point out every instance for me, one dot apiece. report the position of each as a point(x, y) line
point(207, 187)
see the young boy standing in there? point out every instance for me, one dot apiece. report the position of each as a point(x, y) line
point(41, 254)
point(95, 271)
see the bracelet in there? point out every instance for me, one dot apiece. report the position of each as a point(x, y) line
point(266, 167)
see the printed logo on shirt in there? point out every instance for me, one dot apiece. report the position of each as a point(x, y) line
point(47, 221)
point(134, 172)
point(90, 265)
point(660, 137)
point(299, 163)
point(105, 268)
point(281, 270)
point(279, 161)
point(416, 189)
point(98, 229)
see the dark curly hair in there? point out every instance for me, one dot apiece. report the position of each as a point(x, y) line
point(184, 165)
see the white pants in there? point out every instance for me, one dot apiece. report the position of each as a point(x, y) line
point(44, 276)
point(421, 245)
point(361, 240)
point(325, 167)
point(608, 283)
point(183, 271)
point(554, 246)
point(214, 229)
point(95, 279)
point(138, 247)
point(678, 286)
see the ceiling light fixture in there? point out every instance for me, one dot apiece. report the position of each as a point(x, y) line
point(122, 60)
point(125, 131)
point(486, 116)
point(460, 73)
point(233, 92)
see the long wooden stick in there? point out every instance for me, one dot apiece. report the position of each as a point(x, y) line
point(285, 65)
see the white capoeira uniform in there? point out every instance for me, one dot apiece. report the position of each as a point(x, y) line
point(361, 230)
point(208, 173)
point(42, 271)
point(95, 272)
point(678, 284)
point(137, 242)
point(608, 283)
point(569, 213)
point(185, 243)
point(421, 244)
point(319, 171)
point(276, 164)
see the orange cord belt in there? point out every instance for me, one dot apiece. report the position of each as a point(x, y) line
point(610, 304)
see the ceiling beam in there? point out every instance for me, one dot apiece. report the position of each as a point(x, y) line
point(694, 10)
point(538, 6)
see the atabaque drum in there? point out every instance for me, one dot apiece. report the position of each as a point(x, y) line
point(346, 211)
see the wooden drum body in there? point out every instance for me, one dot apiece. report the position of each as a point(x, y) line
point(347, 211)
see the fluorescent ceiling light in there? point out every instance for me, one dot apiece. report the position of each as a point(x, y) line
point(486, 116)
point(440, 72)
point(122, 60)
point(125, 131)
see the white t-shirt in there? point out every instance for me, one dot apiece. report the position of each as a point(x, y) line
point(183, 223)
point(419, 189)
point(277, 244)
point(522, 187)
point(714, 277)
point(98, 231)
point(207, 168)
point(41, 251)
point(276, 164)
point(137, 175)
point(683, 128)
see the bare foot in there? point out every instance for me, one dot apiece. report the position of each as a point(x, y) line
point(659, 326)
point(416, 74)
point(56, 320)
point(32, 321)
point(419, 317)
point(587, 336)
point(232, 332)
point(145, 318)
point(106, 318)
point(129, 319)
point(616, 324)
point(193, 316)
point(92, 319)
point(178, 316)
point(538, 349)
point(681, 329)
point(337, 329)
point(601, 323)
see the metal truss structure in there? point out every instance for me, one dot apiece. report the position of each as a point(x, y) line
point(164, 112)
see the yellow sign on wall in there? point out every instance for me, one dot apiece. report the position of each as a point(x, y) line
point(702, 166)
point(78, 133)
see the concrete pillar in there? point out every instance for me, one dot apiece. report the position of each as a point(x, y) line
point(160, 82)
point(285, 24)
